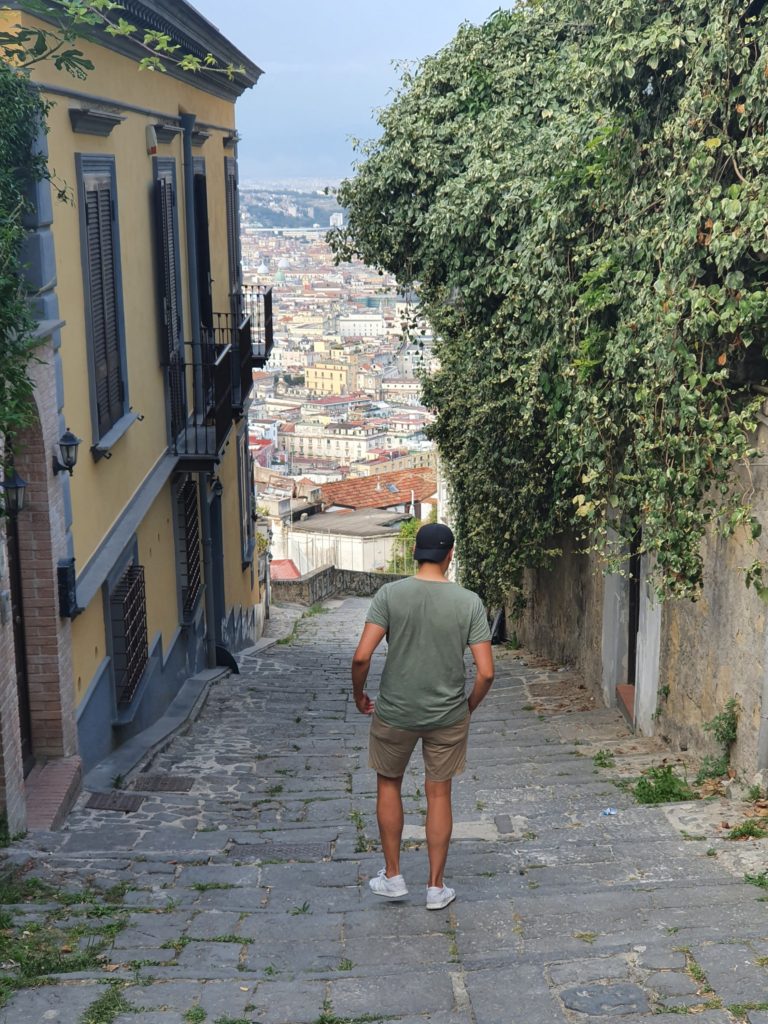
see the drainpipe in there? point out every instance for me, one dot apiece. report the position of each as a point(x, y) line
point(188, 124)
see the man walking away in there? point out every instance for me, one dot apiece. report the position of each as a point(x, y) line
point(428, 621)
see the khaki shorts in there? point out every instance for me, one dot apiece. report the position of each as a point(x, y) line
point(444, 750)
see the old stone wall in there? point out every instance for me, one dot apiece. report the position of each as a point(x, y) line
point(326, 582)
point(563, 615)
point(715, 648)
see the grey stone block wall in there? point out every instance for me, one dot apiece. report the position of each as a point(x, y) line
point(328, 581)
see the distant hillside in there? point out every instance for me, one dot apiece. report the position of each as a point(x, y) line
point(269, 208)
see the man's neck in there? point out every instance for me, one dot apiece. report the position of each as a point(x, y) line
point(431, 571)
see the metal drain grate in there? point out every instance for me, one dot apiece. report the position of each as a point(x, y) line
point(114, 801)
point(280, 851)
point(163, 783)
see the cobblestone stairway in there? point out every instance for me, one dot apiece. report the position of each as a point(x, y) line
point(245, 897)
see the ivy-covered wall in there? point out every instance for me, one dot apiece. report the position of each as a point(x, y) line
point(21, 116)
point(577, 188)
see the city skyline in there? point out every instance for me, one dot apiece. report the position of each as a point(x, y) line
point(326, 70)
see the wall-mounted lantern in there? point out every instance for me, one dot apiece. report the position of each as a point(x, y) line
point(68, 445)
point(13, 487)
point(217, 488)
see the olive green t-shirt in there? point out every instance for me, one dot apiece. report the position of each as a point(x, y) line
point(429, 625)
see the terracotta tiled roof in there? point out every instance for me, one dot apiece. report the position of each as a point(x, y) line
point(283, 569)
point(381, 491)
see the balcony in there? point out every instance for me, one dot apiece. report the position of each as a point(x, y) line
point(257, 306)
point(200, 400)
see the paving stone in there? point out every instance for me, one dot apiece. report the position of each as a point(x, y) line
point(211, 924)
point(412, 993)
point(672, 983)
point(757, 1017)
point(280, 1002)
point(605, 1000)
point(151, 929)
point(732, 972)
point(494, 993)
point(582, 971)
point(200, 956)
point(164, 995)
point(55, 1004)
point(655, 959)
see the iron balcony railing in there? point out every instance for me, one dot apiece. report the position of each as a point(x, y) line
point(256, 303)
point(234, 329)
point(200, 398)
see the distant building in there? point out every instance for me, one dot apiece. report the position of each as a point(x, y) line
point(337, 220)
point(361, 325)
point(360, 541)
point(402, 492)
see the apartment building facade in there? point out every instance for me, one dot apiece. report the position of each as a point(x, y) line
point(137, 568)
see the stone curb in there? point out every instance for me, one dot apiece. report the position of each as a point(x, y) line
point(185, 707)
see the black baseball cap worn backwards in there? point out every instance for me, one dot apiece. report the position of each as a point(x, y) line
point(433, 542)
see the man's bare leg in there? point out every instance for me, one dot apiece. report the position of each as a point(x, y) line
point(389, 812)
point(439, 828)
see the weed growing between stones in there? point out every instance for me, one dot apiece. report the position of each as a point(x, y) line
point(107, 1006)
point(73, 936)
point(604, 759)
point(747, 830)
point(740, 1010)
point(660, 785)
point(363, 843)
point(760, 880)
point(303, 909)
point(195, 1016)
point(712, 768)
point(588, 937)
point(329, 1017)
point(755, 793)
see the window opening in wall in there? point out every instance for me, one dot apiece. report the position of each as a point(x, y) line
point(189, 547)
point(128, 612)
point(102, 292)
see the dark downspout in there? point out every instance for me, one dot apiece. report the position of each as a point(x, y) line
point(188, 124)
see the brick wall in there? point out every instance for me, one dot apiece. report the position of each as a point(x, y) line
point(42, 542)
point(11, 779)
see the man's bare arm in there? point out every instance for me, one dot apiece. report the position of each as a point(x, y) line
point(372, 636)
point(484, 672)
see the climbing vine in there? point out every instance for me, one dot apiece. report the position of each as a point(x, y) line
point(21, 115)
point(576, 190)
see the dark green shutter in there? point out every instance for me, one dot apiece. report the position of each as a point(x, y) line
point(168, 266)
point(203, 250)
point(233, 231)
point(102, 288)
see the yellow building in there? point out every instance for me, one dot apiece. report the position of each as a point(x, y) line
point(326, 378)
point(150, 341)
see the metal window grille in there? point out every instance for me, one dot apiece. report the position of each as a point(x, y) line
point(128, 609)
point(189, 547)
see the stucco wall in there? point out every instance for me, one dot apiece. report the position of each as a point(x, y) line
point(563, 616)
point(715, 648)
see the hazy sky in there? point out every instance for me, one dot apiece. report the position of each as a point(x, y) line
point(327, 66)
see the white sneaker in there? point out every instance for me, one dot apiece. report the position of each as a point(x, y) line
point(393, 888)
point(439, 896)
